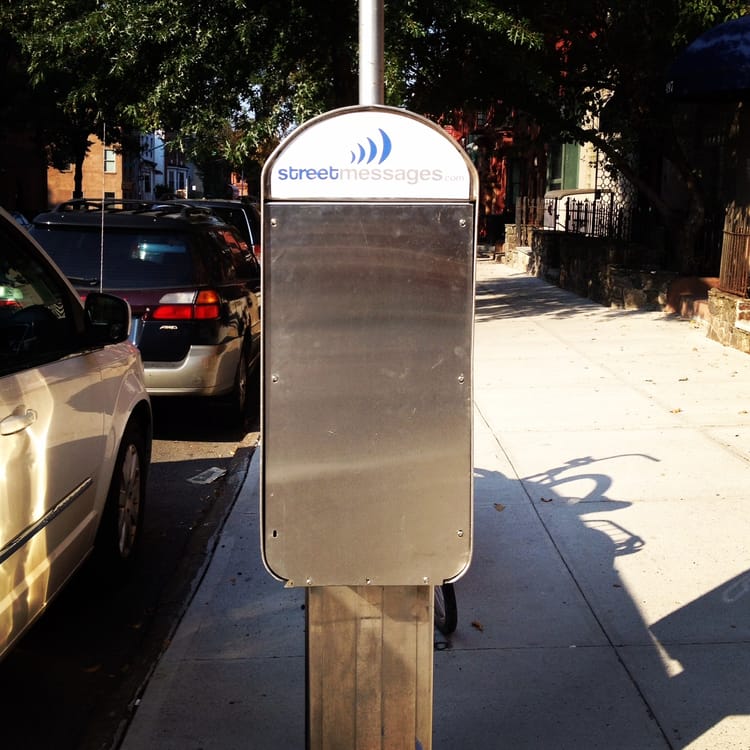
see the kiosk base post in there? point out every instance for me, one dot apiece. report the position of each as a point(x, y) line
point(369, 667)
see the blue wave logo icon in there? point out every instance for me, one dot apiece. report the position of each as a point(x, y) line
point(368, 153)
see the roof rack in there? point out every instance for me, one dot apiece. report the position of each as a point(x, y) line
point(133, 206)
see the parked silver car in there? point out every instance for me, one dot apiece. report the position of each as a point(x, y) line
point(75, 432)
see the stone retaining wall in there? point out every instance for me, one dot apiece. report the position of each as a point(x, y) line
point(595, 268)
point(599, 270)
point(729, 319)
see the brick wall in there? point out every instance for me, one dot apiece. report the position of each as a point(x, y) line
point(95, 182)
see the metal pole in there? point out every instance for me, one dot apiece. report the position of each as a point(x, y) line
point(371, 52)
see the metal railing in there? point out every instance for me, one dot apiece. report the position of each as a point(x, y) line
point(600, 217)
point(529, 216)
point(735, 261)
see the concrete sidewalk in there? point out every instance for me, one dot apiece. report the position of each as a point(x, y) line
point(608, 601)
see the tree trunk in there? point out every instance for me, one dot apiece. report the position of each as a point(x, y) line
point(686, 232)
point(80, 150)
point(683, 230)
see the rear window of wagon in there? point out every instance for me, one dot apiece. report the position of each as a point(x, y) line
point(131, 259)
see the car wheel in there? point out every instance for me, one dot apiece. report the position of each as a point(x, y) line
point(122, 519)
point(446, 610)
point(239, 393)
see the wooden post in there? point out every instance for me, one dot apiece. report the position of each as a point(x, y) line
point(369, 667)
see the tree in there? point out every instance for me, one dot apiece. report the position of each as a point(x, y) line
point(587, 72)
point(69, 75)
point(231, 77)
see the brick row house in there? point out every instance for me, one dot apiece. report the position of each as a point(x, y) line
point(145, 168)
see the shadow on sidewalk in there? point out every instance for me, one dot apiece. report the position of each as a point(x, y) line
point(689, 668)
point(516, 294)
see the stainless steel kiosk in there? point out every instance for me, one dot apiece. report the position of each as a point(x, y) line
point(369, 223)
point(368, 289)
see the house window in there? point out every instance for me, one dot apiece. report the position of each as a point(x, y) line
point(110, 166)
point(562, 165)
point(176, 179)
point(146, 184)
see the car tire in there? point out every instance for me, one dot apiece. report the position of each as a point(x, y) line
point(446, 610)
point(120, 529)
point(239, 392)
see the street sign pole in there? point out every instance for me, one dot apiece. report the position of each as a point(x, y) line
point(371, 52)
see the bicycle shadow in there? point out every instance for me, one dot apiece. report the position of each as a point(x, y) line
point(552, 547)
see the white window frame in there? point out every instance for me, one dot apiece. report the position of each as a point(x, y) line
point(110, 161)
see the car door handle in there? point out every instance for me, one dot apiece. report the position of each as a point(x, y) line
point(17, 422)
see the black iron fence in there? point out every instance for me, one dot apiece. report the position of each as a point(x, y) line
point(735, 260)
point(595, 216)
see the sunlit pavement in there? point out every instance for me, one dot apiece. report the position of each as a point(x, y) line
point(608, 601)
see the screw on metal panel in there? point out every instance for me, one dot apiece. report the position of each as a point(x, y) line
point(461, 378)
point(460, 532)
point(368, 581)
point(426, 579)
point(308, 581)
point(274, 222)
point(462, 222)
point(274, 378)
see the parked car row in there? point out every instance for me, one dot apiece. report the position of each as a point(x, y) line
point(104, 304)
point(192, 282)
point(75, 432)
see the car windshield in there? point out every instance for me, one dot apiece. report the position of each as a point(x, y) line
point(131, 259)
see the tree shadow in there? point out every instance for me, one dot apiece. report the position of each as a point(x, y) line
point(689, 668)
point(519, 294)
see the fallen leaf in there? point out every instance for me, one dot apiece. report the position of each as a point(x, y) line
point(676, 411)
point(499, 507)
point(478, 625)
point(546, 499)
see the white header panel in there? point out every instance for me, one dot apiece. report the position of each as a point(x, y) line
point(369, 153)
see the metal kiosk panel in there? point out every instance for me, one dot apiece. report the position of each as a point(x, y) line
point(367, 357)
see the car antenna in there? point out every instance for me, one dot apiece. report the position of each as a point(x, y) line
point(104, 175)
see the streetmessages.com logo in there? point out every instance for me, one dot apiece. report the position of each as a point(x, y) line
point(370, 151)
point(385, 150)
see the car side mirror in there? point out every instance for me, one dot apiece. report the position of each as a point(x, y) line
point(107, 318)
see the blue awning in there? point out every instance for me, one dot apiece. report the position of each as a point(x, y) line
point(715, 65)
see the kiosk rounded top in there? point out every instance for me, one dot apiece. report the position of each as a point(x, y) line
point(369, 153)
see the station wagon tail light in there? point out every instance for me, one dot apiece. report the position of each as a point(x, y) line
point(206, 305)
